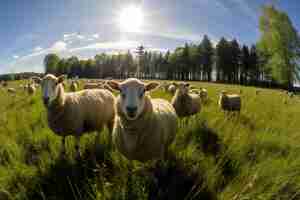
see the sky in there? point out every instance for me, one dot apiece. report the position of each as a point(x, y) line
point(33, 28)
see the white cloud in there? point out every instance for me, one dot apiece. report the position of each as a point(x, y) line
point(116, 45)
point(58, 46)
point(15, 56)
point(80, 37)
point(38, 48)
point(96, 36)
point(69, 36)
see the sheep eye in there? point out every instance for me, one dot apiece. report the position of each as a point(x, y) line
point(142, 93)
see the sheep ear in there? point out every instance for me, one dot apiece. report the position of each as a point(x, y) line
point(151, 86)
point(114, 85)
point(61, 78)
point(187, 85)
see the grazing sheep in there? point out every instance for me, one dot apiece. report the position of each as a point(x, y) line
point(144, 127)
point(11, 90)
point(172, 88)
point(229, 102)
point(185, 103)
point(75, 113)
point(73, 86)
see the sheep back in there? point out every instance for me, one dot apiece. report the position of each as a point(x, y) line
point(186, 105)
point(83, 111)
point(230, 102)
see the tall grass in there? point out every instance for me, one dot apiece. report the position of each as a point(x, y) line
point(216, 155)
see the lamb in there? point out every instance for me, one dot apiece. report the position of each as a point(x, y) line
point(144, 127)
point(229, 102)
point(76, 113)
point(73, 86)
point(185, 103)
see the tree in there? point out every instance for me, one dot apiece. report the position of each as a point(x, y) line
point(50, 63)
point(281, 43)
point(245, 65)
point(234, 62)
point(140, 51)
point(222, 60)
point(207, 52)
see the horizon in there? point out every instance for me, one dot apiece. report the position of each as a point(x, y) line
point(81, 29)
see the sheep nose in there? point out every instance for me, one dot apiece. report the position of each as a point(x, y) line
point(46, 100)
point(131, 110)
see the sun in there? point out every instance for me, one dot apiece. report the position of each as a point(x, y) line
point(131, 19)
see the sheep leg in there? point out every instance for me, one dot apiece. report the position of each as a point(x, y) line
point(63, 148)
point(110, 126)
point(77, 147)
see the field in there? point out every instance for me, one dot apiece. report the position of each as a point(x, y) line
point(216, 155)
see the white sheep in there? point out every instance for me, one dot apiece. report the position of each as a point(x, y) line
point(172, 88)
point(203, 95)
point(229, 102)
point(185, 103)
point(75, 113)
point(31, 88)
point(144, 127)
point(11, 90)
point(93, 86)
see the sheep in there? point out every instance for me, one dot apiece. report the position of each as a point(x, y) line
point(203, 95)
point(92, 86)
point(172, 88)
point(31, 88)
point(73, 86)
point(290, 94)
point(11, 90)
point(185, 103)
point(4, 84)
point(76, 113)
point(229, 102)
point(144, 127)
point(164, 86)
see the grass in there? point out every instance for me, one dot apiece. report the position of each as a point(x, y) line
point(217, 155)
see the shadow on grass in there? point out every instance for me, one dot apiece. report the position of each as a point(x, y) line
point(70, 179)
point(174, 180)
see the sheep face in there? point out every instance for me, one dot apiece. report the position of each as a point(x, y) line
point(131, 99)
point(50, 87)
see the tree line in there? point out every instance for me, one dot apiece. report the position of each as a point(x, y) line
point(227, 62)
point(273, 61)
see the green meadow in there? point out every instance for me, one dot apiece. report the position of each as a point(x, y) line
point(216, 155)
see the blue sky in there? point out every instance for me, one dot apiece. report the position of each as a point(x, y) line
point(33, 28)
